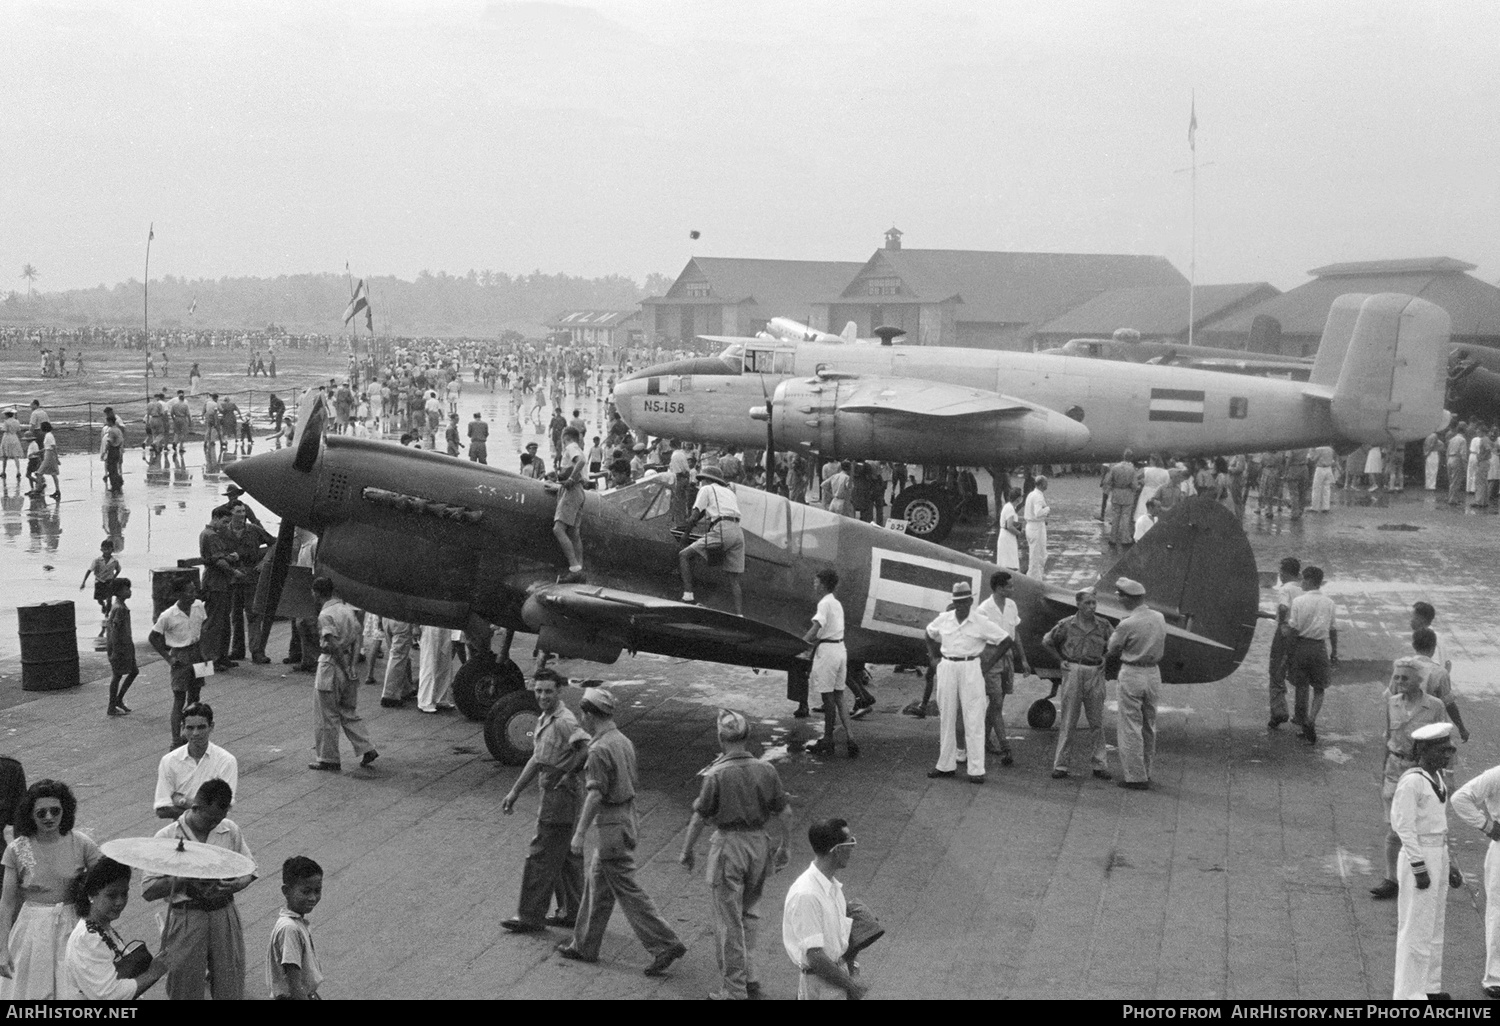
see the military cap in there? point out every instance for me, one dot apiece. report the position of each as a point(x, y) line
point(1125, 586)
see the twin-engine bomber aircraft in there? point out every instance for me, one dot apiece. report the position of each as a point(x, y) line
point(429, 539)
point(1378, 378)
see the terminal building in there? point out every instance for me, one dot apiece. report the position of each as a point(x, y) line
point(729, 296)
point(615, 329)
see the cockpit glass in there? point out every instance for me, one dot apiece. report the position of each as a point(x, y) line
point(646, 499)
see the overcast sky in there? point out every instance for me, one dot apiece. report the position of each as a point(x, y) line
point(267, 138)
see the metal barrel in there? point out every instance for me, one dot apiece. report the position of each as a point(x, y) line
point(164, 583)
point(49, 646)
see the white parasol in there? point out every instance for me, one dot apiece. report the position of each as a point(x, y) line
point(169, 856)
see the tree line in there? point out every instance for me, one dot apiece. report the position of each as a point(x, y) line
point(479, 303)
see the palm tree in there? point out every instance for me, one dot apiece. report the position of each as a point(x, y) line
point(31, 274)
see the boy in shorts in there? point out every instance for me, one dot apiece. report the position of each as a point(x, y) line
point(292, 970)
point(830, 662)
point(120, 647)
point(105, 569)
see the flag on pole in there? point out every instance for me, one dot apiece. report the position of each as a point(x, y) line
point(1193, 125)
point(359, 301)
point(151, 232)
point(193, 306)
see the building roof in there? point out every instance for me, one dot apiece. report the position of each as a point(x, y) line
point(1007, 288)
point(592, 318)
point(780, 287)
point(1473, 305)
point(1155, 311)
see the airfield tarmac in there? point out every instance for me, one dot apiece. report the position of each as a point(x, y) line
point(1243, 874)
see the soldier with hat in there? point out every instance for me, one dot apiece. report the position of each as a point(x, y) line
point(610, 782)
point(1138, 641)
point(740, 795)
point(723, 544)
point(961, 649)
point(1419, 816)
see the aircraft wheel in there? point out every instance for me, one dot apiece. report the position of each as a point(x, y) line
point(510, 727)
point(482, 680)
point(929, 511)
point(1041, 715)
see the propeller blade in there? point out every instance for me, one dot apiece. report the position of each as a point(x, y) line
point(274, 579)
point(309, 440)
point(770, 438)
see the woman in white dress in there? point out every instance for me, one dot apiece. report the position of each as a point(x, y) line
point(1374, 467)
point(10, 444)
point(1008, 541)
point(36, 914)
point(1153, 479)
point(88, 972)
point(50, 465)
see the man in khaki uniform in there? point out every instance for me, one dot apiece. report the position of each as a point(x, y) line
point(740, 795)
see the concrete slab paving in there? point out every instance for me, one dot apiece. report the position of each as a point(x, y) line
point(1243, 874)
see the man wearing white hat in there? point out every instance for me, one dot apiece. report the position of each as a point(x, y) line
point(1419, 816)
point(962, 648)
point(1139, 641)
point(724, 540)
point(1477, 803)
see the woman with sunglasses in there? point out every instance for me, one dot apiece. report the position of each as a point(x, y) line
point(35, 911)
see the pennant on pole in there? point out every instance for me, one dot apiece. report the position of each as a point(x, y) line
point(359, 301)
point(1193, 125)
point(193, 307)
point(151, 232)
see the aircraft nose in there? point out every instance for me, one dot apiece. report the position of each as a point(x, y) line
point(275, 484)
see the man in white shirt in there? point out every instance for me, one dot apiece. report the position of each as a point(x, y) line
point(183, 770)
point(1281, 640)
point(176, 636)
point(1035, 513)
point(1315, 647)
point(830, 662)
point(1146, 520)
point(1001, 679)
point(1477, 803)
point(961, 649)
point(724, 539)
point(1419, 816)
point(815, 918)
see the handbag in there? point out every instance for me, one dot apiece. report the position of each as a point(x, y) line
point(131, 961)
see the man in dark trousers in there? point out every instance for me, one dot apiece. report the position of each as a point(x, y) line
point(740, 795)
point(551, 866)
point(610, 782)
point(220, 575)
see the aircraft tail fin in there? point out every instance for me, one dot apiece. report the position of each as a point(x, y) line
point(1338, 330)
point(1199, 572)
point(850, 332)
point(1393, 373)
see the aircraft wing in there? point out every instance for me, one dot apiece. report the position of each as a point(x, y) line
point(1299, 369)
point(731, 340)
point(630, 620)
point(929, 399)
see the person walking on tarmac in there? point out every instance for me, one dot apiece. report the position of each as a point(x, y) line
point(610, 783)
point(1419, 816)
point(739, 796)
point(551, 867)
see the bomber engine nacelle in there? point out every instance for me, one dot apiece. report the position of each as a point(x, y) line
point(914, 421)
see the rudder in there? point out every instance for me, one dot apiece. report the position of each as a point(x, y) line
point(1199, 572)
point(1394, 375)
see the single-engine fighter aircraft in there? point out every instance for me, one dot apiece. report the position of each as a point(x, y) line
point(1173, 354)
point(429, 539)
point(1378, 378)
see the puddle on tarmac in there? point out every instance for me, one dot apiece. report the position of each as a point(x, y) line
point(1337, 755)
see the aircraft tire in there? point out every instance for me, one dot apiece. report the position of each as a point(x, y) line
point(482, 680)
point(930, 511)
point(1041, 714)
point(510, 727)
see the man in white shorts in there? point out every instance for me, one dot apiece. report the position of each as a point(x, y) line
point(724, 539)
point(830, 662)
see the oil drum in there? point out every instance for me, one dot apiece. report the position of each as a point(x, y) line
point(164, 585)
point(49, 646)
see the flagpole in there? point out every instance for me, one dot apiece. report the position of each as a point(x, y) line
point(146, 310)
point(1193, 227)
